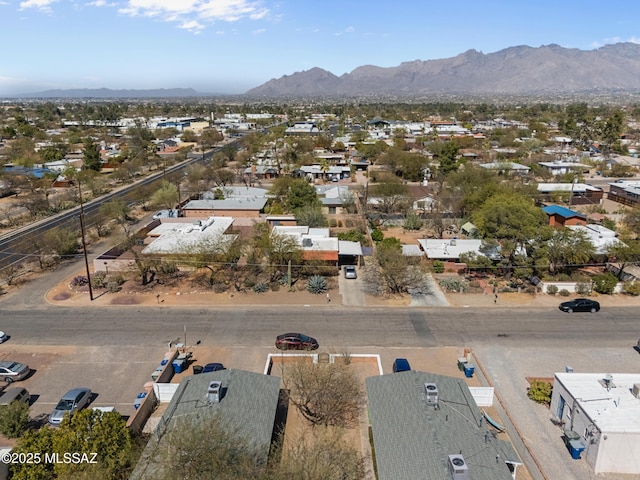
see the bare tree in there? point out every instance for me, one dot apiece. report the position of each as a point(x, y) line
point(324, 394)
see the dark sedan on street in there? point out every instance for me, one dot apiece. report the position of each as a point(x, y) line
point(295, 341)
point(580, 305)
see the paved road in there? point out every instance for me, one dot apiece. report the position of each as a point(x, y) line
point(334, 326)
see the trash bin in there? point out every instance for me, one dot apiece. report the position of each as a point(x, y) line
point(462, 361)
point(197, 369)
point(178, 365)
point(468, 370)
point(576, 447)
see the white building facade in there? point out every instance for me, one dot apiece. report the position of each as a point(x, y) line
point(604, 412)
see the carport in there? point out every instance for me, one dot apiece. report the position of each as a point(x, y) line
point(349, 253)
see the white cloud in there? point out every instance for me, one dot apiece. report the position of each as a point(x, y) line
point(101, 3)
point(44, 5)
point(192, 26)
point(259, 31)
point(612, 40)
point(194, 14)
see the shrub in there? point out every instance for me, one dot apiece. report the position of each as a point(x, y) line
point(605, 283)
point(437, 266)
point(412, 222)
point(79, 281)
point(377, 235)
point(564, 292)
point(583, 288)
point(552, 289)
point(632, 288)
point(260, 288)
point(540, 391)
point(453, 284)
point(249, 282)
point(14, 419)
point(317, 284)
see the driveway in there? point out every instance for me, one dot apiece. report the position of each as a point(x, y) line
point(352, 291)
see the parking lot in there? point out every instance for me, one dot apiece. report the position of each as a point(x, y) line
point(114, 376)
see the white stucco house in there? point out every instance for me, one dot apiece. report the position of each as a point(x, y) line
point(600, 414)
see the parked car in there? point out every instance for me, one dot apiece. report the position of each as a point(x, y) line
point(296, 341)
point(13, 371)
point(401, 365)
point(16, 394)
point(72, 401)
point(580, 305)
point(350, 271)
point(3, 337)
point(212, 367)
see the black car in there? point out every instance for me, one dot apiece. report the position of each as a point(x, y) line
point(580, 305)
point(212, 367)
point(296, 341)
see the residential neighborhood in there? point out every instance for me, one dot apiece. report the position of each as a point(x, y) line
point(399, 223)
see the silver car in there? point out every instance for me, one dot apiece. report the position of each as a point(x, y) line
point(73, 400)
point(13, 371)
point(350, 271)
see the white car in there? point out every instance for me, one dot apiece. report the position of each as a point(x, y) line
point(3, 337)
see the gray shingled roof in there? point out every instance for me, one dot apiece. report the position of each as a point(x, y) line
point(413, 440)
point(249, 402)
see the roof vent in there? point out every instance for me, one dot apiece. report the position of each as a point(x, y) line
point(453, 242)
point(213, 392)
point(431, 393)
point(458, 468)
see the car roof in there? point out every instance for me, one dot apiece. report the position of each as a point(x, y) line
point(73, 393)
point(285, 335)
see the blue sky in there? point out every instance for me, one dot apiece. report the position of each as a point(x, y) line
point(230, 46)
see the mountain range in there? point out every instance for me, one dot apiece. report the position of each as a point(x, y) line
point(521, 70)
point(111, 93)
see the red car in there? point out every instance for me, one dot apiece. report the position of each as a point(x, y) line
point(295, 341)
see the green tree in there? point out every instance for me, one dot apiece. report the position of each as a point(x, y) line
point(512, 219)
point(301, 194)
point(210, 137)
point(91, 155)
point(311, 216)
point(93, 431)
point(624, 254)
point(34, 442)
point(14, 419)
point(568, 249)
point(166, 196)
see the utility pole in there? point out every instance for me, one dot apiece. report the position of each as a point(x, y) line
point(84, 243)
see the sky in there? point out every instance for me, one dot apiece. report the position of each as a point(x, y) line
point(231, 46)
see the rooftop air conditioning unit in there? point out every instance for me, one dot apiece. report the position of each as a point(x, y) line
point(213, 392)
point(458, 468)
point(431, 393)
point(453, 242)
point(636, 390)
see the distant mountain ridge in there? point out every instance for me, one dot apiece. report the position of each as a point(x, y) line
point(521, 70)
point(109, 93)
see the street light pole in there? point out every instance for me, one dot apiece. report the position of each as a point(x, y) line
point(84, 243)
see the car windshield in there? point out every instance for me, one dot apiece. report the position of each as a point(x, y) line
point(13, 367)
point(304, 338)
point(64, 405)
